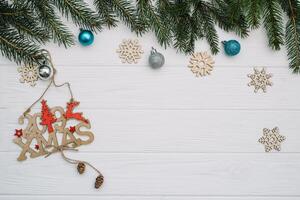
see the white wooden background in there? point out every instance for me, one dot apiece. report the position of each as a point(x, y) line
point(161, 134)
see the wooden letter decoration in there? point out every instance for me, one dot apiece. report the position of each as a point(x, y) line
point(34, 140)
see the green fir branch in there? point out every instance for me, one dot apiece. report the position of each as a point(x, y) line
point(80, 13)
point(16, 47)
point(151, 19)
point(253, 12)
point(127, 13)
point(184, 40)
point(292, 36)
point(273, 23)
point(59, 32)
point(106, 13)
point(237, 18)
point(178, 23)
point(208, 26)
point(229, 16)
point(24, 20)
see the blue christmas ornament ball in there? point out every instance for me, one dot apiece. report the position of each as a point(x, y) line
point(86, 37)
point(232, 47)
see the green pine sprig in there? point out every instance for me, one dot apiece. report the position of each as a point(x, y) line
point(273, 23)
point(148, 14)
point(80, 13)
point(229, 15)
point(206, 23)
point(46, 12)
point(127, 13)
point(16, 47)
point(22, 19)
point(25, 24)
point(253, 12)
point(106, 13)
point(292, 35)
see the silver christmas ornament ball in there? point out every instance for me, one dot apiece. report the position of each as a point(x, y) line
point(156, 59)
point(45, 72)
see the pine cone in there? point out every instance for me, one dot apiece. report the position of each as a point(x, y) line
point(80, 167)
point(99, 181)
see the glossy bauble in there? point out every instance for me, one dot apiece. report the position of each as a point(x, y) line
point(86, 37)
point(232, 47)
point(45, 72)
point(156, 59)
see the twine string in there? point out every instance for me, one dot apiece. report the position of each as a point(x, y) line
point(62, 148)
point(45, 53)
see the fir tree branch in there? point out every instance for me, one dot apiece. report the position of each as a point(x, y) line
point(24, 21)
point(229, 16)
point(126, 11)
point(16, 47)
point(203, 10)
point(253, 12)
point(292, 36)
point(143, 7)
point(184, 40)
point(273, 23)
point(237, 17)
point(80, 13)
point(150, 18)
point(106, 13)
point(59, 32)
point(286, 7)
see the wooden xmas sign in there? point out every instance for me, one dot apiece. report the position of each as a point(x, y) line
point(44, 129)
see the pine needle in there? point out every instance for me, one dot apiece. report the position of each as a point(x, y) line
point(16, 47)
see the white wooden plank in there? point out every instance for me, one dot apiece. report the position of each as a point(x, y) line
point(86, 197)
point(174, 130)
point(255, 50)
point(156, 174)
point(171, 88)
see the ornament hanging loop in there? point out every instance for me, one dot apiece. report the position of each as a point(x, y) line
point(153, 50)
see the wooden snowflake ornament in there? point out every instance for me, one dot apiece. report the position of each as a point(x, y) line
point(36, 140)
point(29, 74)
point(130, 51)
point(260, 80)
point(201, 64)
point(271, 139)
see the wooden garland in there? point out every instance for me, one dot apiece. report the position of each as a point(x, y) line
point(50, 131)
point(36, 136)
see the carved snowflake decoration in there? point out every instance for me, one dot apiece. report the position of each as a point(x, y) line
point(271, 139)
point(29, 74)
point(201, 64)
point(130, 51)
point(260, 80)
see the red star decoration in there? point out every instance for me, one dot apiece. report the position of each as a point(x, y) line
point(19, 133)
point(72, 129)
point(37, 147)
